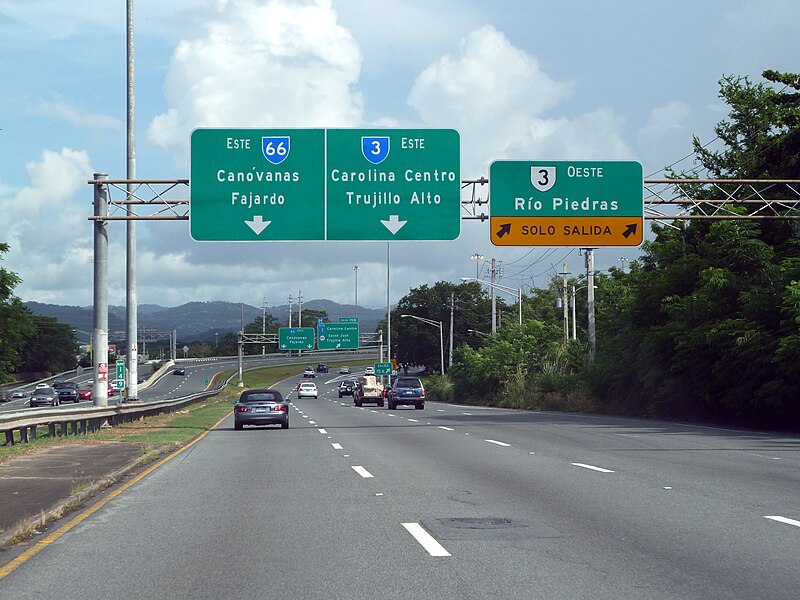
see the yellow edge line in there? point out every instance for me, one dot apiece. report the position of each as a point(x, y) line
point(42, 544)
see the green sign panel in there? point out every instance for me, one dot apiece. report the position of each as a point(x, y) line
point(257, 184)
point(348, 319)
point(393, 184)
point(383, 368)
point(119, 383)
point(338, 336)
point(325, 184)
point(566, 203)
point(295, 338)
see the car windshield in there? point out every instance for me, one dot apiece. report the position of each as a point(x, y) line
point(262, 397)
point(408, 383)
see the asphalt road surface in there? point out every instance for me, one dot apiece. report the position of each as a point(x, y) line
point(449, 502)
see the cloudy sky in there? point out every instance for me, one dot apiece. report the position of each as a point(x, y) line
point(519, 79)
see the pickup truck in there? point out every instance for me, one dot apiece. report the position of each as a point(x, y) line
point(369, 390)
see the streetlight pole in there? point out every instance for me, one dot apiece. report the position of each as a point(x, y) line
point(441, 335)
point(477, 258)
point(503, 288)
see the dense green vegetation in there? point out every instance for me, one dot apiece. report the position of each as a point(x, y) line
point(704, 326)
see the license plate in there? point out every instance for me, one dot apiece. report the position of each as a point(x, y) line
point(262, 409)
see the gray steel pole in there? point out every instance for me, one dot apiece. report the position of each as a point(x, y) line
point(590, 298)
point(100, 304)
point(131, 318)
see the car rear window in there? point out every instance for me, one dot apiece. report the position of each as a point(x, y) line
point(262, 397)
point(408, 383)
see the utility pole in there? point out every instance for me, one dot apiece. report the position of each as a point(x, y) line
point(494, 296)
point(565, 303)
point(590, 298)
point(452, 304)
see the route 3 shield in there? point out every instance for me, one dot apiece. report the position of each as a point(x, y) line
point(375, 149)
point(543, 178)
point(275, 149)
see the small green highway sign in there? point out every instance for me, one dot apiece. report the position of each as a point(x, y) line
point(296, 338)
point(338, 336)
point(383, 368)
point(325, 184)
point(566, 203)
point(119, 383)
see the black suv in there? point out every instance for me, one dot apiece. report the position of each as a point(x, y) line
point(407, 390)
point(67, 391)
point(322, 368)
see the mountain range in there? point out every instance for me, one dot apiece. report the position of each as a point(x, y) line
point(196, 321)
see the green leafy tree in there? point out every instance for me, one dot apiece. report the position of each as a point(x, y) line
point(16, 322)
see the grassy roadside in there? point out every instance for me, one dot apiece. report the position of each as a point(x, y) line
point(172, 430)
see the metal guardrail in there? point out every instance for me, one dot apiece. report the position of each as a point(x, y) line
point(80, 421)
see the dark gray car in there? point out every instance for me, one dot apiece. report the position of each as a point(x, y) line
point(45, 396)
point(261, 407)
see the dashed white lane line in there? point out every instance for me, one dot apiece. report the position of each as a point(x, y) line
point(362, 471)
point(337, 446)
point(446, 428)
point(592, 467)
point(783, 520)
point(426, 540)
point(322, 431)
point(498, 443)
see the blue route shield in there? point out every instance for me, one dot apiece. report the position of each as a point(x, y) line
point(375, 149)
point(275, 149)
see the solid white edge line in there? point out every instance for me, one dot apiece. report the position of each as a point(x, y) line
point(426, 540)
point(498, 443)
point(363, 472)
point(783, 520)
point(593, 468)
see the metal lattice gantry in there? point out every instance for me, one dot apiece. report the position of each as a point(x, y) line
point(688, 199)
point(146, 200)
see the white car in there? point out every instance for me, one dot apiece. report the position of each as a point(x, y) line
point(307, 389)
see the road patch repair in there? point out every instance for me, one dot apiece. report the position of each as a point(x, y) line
point(40, 487)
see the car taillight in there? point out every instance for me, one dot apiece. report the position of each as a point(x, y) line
point(242, 408)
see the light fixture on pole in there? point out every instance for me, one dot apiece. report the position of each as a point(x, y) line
point(355, 270)
point(477, 258)
point(502, 288)
point(435, 324)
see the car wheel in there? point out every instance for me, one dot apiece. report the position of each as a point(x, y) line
point(237, 426)
point(285, 425)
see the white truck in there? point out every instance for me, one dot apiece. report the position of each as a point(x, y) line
point(369, 390)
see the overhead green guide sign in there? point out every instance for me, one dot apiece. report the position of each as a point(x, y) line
point(257, 184)
point(325, 184)
point(296, 338)
point(338, 336)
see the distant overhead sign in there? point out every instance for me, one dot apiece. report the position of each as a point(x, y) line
point(566, 203)
point(296, 338)
point(338, 336)
point(325, 184)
